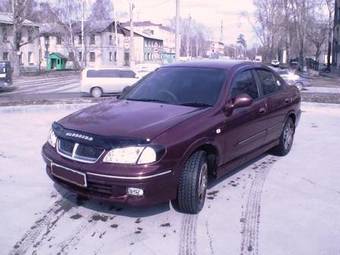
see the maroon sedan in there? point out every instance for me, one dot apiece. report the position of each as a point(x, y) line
point(178, 125)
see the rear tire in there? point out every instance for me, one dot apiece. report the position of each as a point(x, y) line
point(286, 139)
point(193, 184)
point(96, 92)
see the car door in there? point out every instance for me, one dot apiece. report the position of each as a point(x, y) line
point(278, 101)
point(245, 127)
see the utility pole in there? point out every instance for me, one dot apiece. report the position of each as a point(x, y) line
point(132, 52)
point(82, 34)
point(116, 30)
point(188, 37)
point(221, 32)
point(177, 38)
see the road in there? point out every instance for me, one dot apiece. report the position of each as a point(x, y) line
point(50, 88)
point(272, 206)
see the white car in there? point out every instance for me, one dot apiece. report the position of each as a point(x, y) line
point(293, 79)
point(106, 80)
point(275, 62)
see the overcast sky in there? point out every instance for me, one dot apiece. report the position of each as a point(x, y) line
point(208, 12)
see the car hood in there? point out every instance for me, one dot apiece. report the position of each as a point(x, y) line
point(124, 118)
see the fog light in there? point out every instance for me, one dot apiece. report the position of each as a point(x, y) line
point(135, 192)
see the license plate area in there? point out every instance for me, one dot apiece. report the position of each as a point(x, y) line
point(69, 175)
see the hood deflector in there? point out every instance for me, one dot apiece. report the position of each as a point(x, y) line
point(96, 140)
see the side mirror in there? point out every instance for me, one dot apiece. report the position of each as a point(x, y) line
point(243, 100)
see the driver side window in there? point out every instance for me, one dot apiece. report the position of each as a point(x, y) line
point(244, 83)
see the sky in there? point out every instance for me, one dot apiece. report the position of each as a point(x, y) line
point(208, 12)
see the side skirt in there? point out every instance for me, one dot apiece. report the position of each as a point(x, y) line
point(235, 163)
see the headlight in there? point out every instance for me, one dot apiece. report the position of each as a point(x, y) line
point(52, 139)
point(131, 155)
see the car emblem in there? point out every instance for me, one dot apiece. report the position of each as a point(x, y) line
point(80, 136)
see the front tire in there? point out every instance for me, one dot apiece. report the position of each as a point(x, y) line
point(193, 184)
point(96, 92)
point(286, 139)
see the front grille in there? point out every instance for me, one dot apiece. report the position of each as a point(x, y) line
point(79, 152)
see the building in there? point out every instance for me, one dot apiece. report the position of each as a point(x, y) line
point(100, 49)
point(28, 54)
point(147, 47)
point(214, 49)
point(161, 32)
point(336, 42)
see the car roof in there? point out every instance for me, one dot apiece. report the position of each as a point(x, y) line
point(108, 68)
point(218, 64)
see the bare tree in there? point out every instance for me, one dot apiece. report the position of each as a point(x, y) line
point(68, 13)
point(101, 10)
point(330, 9)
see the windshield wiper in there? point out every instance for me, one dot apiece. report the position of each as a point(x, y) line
point(196, 104)
point(147, 100)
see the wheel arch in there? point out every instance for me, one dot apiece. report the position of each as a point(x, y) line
point(213, 154)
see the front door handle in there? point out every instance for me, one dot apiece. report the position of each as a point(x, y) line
point(262, 110)
point(287, 100)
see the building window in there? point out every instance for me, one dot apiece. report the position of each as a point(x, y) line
point(59, 39)
point(79, 39)
point(30, 34)
point(93, 39)
point(71, 55)
point(92, 57)
point(5, 56)
point(110, 40)
point(20, 59)
point(30, 58)
point(110, 56)
point(4, 34)
point(115, 56)
point(80, 54)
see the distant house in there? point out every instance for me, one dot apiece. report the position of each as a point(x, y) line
point(148, 48)
point(214, 49)
point(336, 43)
point(155, 30)
point(29, 51)
point(100, 49)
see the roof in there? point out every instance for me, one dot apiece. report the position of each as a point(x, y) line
point(58, 55)
point(97, 26)
point(7, 18)
point(51, 28)
point(144, 34)
point(149, 23)
point(220, 64)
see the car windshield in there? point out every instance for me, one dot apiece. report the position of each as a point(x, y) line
point(197, 87)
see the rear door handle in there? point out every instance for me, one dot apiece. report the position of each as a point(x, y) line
point(287, 100)
point(262, 110)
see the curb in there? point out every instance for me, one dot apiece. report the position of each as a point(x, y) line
point(43, 108)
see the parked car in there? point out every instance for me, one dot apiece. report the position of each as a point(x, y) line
point(5, 75)
point(293, 79)
point(144, 69)
point(98, 82)
point(173, 130)
point(275, 63)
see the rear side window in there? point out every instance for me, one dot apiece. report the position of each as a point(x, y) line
point(107, 73)
point(269, 82)
point(244, 83)
point(126, 74)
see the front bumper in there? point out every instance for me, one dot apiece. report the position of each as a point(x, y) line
point(158, 186)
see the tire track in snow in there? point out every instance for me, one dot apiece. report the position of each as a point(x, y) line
point(42, 227)
point(187, 245)
point(250, 219)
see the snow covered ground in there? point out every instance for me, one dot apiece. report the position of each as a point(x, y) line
point(272, 206)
